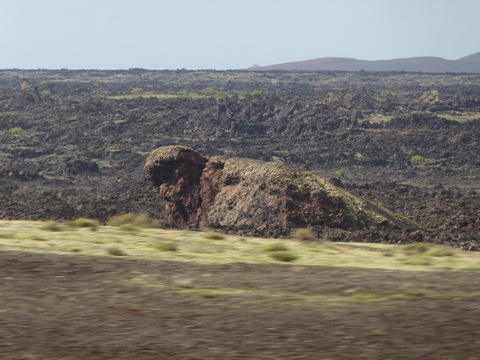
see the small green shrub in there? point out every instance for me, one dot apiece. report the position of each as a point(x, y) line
point(441, 251)
point(304, 234)
point(417, 160)
point(210, 91)
point(86, 223)
point(121, 219)
point(34, 237)
point(417, 260)
point(257, 92)
point(470, 268)
point(7, 236)
point(341, 172)
point(137, 91)
point(276, 247)
point(141, 220)
point(144, 220)
point(386, 94)
point(166, 246)
point(219, 95)
point(417, 248)
point(115, 251)
point(130, 228)
point(16, 129)
point(213, 236)
point(284, 256)
point(52, 226)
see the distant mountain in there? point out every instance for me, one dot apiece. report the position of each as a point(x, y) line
point(468, 64)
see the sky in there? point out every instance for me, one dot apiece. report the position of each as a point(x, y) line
point(229, 34)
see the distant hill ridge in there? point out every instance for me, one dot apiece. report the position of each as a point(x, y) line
point(468, 64)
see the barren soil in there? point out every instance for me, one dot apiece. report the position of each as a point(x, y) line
point(63, 297)
point(77, 307)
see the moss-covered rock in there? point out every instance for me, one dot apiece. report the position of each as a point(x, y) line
point(254, 197)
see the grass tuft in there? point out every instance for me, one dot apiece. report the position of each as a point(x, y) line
point(276, 247)
point(417, 260)
point(52, 226)
point(142, 220)
point(304, 234)
point(86, 223)
point(115, 251)
point(284, 256)
point(365, 298)
point(7, 236)
point(214, 236)
point(166, 246)
point(130, 228)
point(417, 248)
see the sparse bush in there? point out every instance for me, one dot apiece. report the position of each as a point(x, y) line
point(210, 91)
point(86, 223)
point(417, 160)
point(304, 234)
point(417, 260)
point(440, 251)
point(276, 247)
point(115, 251)
point(52, 226)
point(284, 256)
point(34, 237)
point(121, 219)
point(417, 248)
point(257, 93)
point(137, 91)
point(7, 236)
point(166, 246)
point(141, 220)
point(213, 236)
point(144, 220)
point(219, 95)
point(130, 228)
point(16, 129)
point(386, 94)
point(341, 172)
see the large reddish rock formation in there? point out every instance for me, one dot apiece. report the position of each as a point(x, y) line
point(247, 196)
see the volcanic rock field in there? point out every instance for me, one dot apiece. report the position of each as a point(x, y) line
point(74, 143)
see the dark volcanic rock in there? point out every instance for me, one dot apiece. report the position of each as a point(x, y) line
point(254, 197)
point(76, 167)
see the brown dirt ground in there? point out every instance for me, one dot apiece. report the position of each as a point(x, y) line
point(84, 307)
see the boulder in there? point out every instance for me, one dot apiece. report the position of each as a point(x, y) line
point(252, 197)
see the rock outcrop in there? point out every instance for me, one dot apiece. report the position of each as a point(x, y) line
point(253, 197)
point(30, 93)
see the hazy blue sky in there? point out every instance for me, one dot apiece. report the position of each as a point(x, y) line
point(224, 34)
